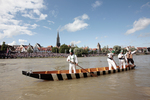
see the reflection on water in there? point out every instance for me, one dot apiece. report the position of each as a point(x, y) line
point(133, 84)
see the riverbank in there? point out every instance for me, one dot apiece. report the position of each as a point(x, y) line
point(42, 55)
point(49, 55)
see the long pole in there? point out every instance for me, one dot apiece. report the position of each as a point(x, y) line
point(87, 71)
point(84, 69)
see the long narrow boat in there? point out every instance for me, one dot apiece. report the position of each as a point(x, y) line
point(80, 73)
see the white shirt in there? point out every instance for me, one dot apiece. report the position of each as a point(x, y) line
point(72, 58)
point(120, 56)
point(110, 55)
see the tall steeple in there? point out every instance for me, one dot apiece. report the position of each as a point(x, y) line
point(58, 40)
point(98, 48)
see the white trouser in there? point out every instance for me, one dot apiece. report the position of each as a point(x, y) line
point(111, 63)
point(122, 62)
point(72, 67)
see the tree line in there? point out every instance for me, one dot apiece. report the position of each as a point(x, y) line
point(78, 51)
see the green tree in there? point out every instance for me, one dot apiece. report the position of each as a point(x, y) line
point(105, 49)
point(55, 49)
point(78, 51)
point(117, 49)
point(4, 47)
point(64, 49)
point(145, 51)
point(91, 52)
point(29, 50)
point(85, 51)
point(124, 50)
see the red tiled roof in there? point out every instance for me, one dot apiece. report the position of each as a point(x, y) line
point(110, 49)
point(85, 47)
point(45, 49)
point(141, 48)
point(50, 46)
point(94, 49)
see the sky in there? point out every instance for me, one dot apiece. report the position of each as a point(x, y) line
point(82, 22)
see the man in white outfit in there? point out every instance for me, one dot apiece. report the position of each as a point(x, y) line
point(73, 58)
point(121, 60)
point(111, 61)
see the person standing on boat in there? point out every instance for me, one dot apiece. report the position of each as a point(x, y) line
point(121, 60)
point(111, 61)
point(73, 61)
point(129, 56)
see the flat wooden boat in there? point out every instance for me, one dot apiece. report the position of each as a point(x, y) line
point(80, 73)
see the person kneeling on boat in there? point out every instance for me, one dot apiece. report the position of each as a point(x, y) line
point(111, 61)
point(121, 60)
point(72, 58)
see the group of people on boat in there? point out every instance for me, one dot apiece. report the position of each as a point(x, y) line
point(123, 58)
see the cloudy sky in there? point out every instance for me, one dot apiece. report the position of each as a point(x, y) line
point(82, 22)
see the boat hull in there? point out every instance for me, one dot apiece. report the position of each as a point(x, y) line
point(67, 76)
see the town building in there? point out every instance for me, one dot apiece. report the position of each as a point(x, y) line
point(39, 48)
point(142, 49)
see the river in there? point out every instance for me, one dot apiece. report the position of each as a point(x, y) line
point(128, 85)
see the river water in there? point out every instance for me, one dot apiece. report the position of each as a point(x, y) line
point(128, 85)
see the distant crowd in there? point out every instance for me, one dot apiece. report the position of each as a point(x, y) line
point(41, 55)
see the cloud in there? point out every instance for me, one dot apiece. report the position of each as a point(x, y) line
point(96, 4)
point(47, 27)
point(34, 26)
point(146, 5)
point(54, 13)
point(74, 42)
point(142, 23)
point(96, 38)
point(144, 35)
point(10, 26)
point(84, 16)
point(104, 37)
point(25, 7)
point(13, 30)
point(21, 41)
point(13, 43)
point(31, 26)
point(51, 22)
point(77, 25)
point(32, 15)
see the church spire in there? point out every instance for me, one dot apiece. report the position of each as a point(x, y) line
point(58, 40)
point(98, 48)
